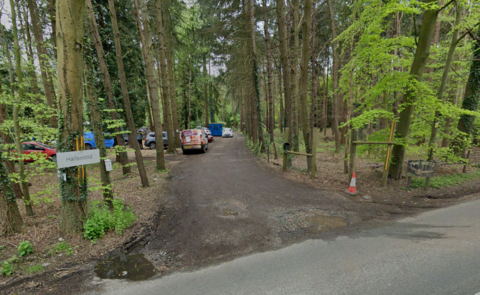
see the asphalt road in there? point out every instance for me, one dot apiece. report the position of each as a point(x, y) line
point(437, 252)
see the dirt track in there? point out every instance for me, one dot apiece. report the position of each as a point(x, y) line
point(225, 204)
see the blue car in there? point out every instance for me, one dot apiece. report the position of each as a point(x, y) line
point(90, 140)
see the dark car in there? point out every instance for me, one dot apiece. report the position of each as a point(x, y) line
point(151, 142)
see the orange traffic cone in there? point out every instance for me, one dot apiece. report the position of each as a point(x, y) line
point(352, 190)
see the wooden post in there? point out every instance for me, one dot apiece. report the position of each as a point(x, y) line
point(409, 181)
point(275, 150)
point(427, 184)
point(353, 153)
point(268, 153)
point(285, 155)
point(387, 159)
point(289, 157)
point(314, 153)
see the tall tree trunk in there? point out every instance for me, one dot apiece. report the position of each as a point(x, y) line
point(126, 97)
point(271, 121)
point(256, 107)
point(282, 32)
point(11, 221)
point(335, 80)
point(96, 121)
point(152, 83)
point(171, 78)
point(16, 106)
point(303, 82)
point(167, 112)
point(294, 68)
point(122, 153)
point(30, 55)
point(205, 89)
point(416, 73)
point(44, 65)
point(53, 21)
point(471, 98)
point(443, 84)
point(70, 36)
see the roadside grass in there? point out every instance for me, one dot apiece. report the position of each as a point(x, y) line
point(444, 180)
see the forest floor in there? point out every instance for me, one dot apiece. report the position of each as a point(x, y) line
point(218, 206)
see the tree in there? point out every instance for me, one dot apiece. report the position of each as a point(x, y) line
point(123, 157)
point(70, 38)
point(416, 72)
point(126, 96)
point(153, 86)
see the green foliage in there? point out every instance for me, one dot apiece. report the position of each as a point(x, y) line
point(7, 269)
point(101, 219)
point(25, 248)
point(62, 247)
point(445, 180)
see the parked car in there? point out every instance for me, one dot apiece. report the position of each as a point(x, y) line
point(151, 142)
point(40, 149)
point(207, 131)
point(227, 132)
point(90, 143)
point(210, 138)
point(194, 139)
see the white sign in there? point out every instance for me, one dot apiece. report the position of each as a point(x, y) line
point(108, 165)
point(78, 158)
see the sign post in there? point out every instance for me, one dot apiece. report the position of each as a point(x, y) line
point(420, 168)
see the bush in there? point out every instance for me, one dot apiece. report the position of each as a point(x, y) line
point(101, 219)
point(25, 248)
point(7, 269)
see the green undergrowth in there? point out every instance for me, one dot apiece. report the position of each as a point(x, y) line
point(445, 180)
point(101, 219)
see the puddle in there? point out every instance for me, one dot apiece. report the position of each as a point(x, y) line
point(320, 223)
point(229, 212)
point(133, 267)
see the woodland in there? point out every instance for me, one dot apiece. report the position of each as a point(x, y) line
point(273, 70)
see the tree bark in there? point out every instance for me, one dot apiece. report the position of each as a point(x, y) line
point(294, 68)
point(271, 121)
point(16, 106)
point(53, 21)
point(70, 36)
point(443, 84)
point(416, 72)
point(303, 82)
point(171, 78)
point(41, 52)
point(152, 84)
point(282, 32)
point(162, 72)
point(335, 77)
point(126, 97)
point(123, 157)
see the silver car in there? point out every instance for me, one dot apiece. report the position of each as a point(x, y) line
point(227, 132)
point(151, 142)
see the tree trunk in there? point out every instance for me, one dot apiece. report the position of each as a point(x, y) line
point(44, 65)
point(167, 112)
point(171, 78)
point(471, 98)
point(294, 68)
point(53, 21)
point(416, 73)
point(11, 221)
point(16, 106)
point(443, 85)
point(31, 58)
point(152, 83)
point(303, 82)
point(96, 121)
point(271, 121)
point(126, 97)
point(336, 103)
point(256, 107)
point(282, 32)
point(70, 36)
point(122, 153)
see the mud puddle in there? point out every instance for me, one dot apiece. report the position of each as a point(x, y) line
point(132, 267)
point(319, 223)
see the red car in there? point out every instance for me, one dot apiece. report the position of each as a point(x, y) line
point(42, 149)
point(210, 138)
